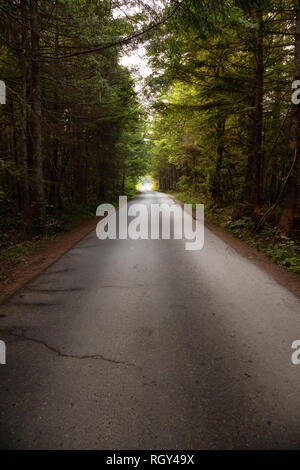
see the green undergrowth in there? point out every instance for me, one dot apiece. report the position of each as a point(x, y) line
point(16, 251)
point(268, 240)
point(18, 240)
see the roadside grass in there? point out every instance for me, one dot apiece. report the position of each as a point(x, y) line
point(282, 250)
point(17, 240)
point(15, 252)
point(268, 240)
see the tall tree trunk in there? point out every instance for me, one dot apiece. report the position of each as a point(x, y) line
point(248, 180)
point(14, 150)
point(272, 170)
point(24, 128)
point(123, 181)
point(258, 118)
point(217, 180)
point(291, 193)
point(36, 116)
point(54, 198)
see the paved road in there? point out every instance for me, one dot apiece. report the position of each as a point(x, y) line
point(127, 344)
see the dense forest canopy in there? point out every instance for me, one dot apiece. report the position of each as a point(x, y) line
point(72, 130)
point(222, 125)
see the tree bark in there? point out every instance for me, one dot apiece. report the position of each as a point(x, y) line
point(217, 180)
point(54, 198)
point(290, 197)
point(36, 116)
point(24, 128)
point(258, 118)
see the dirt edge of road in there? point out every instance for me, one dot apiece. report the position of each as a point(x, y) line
point(289, 280)
point(49, 251)
point(21, 271)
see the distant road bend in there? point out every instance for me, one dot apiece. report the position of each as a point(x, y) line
point(126, 344)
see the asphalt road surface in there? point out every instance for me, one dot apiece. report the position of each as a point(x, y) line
point(125, 344)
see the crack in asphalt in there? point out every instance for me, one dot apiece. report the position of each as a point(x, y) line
point(116, 286)
point(49, 291)
point(23, 337)
point(32, 304)
point(59, 271)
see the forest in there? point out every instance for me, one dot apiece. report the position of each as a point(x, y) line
point(72, 128)
point(215, 124)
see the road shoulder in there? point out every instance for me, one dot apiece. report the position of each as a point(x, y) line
point(285, 278)
point(17, 273)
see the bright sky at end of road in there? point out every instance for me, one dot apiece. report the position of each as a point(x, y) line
point(136, 60)
point(138, 64)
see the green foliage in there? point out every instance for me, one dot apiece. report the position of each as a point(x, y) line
point(15, 252)
point(130, 188)
point(10, 222)
point(205, 116)
point(93, 125)
point(282, 250)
